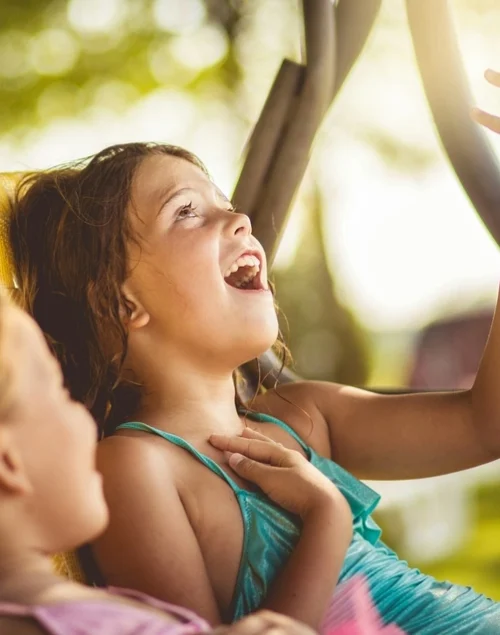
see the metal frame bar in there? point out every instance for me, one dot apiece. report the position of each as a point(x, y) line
point(279, 147)
point(270, 189)
point(445, 84)
point(285, 154)
point(354, 22)
point(265, 137)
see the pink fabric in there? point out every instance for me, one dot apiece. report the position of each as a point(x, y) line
point(351, 612)
point(101, 617)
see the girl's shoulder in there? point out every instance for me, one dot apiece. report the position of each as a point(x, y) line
point(294, 404)
point(133, 447)
point(136, 464)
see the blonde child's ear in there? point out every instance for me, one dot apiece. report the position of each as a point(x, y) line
point(13, 477)
point(139, 317)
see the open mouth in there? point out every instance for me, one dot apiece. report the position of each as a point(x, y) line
point(246, 274)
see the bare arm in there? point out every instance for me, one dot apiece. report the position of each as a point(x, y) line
point(397, 436)
point(150, 544)
point(305, 585)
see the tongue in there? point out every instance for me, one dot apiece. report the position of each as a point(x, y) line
point(235, 279)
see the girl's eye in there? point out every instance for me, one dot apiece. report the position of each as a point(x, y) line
point(186, 211)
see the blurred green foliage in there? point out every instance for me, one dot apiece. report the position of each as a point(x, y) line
point(60, 57)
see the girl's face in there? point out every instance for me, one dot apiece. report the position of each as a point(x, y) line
point(48, 443)
point(197, 275)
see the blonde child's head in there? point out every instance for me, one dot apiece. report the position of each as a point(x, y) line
point(51, 496)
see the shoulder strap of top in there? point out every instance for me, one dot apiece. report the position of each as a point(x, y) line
point(9, 608)
point(182, 443)
point(185, 615)
point(260, 416)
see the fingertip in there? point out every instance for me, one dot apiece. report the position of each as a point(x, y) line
point(476, 114)
point(493, 77)
point(250, 432)
point(216, 439)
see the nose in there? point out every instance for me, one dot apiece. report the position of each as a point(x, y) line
point(239, 224)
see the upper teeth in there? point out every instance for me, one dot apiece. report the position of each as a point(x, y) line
point(244, 261)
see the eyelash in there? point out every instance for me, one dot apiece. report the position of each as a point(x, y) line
point(192, 208)
point(188, 207)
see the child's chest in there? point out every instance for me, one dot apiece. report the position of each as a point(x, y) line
point(215, 514)
point(220, 516)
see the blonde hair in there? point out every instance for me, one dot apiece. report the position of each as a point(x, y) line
point(6, 397)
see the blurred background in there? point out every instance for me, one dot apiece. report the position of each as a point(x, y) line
point(385, 273)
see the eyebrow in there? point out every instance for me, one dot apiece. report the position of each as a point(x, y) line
point(221, 194)
point(164, 196)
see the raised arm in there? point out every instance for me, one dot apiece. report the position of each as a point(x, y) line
point(391, 437)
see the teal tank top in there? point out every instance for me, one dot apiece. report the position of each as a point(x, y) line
point(417, 603)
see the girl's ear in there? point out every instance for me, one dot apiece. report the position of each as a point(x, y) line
point(13, 476)
point(139, 317)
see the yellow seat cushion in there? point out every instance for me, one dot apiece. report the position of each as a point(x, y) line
point(66, 564)
point(8, 184)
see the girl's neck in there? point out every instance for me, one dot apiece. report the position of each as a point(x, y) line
point(26, 578)
point(191, 397)
point(194, 418)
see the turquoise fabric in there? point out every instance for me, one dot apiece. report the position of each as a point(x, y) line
point(416, 602)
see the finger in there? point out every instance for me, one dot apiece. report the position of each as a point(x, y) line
point(493, 77)
point(251, 625)
point(248, 469)
point(256, 449)
point(255, 624)
point(250, 433)
point(485, 119)
point(278, 623)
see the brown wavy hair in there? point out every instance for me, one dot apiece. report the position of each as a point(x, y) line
point(69, 232)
